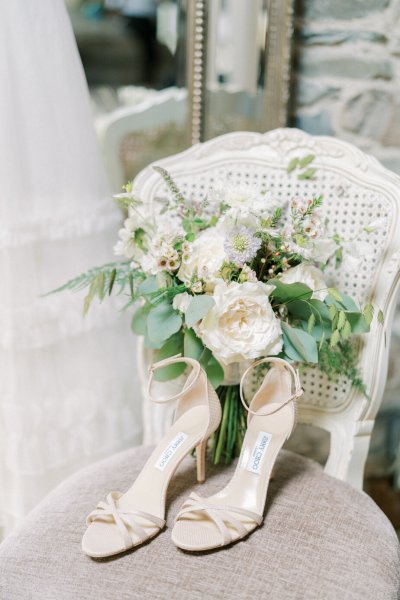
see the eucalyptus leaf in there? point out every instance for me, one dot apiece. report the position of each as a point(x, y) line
point(148, 343)
point(171, 347)
point(357, 322)
point(193, 346)
point(302, 342)
point(162, 322)
point(335, 294)
point(348, 303)
point(215, 372)
point(302, 309)
point(320, 331)
point(148, 286)
point(139, 321)
point(285, 292)
point(311, 323)
point(198, 308)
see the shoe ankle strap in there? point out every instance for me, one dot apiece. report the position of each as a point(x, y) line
point(191, 380)
point(295, 379)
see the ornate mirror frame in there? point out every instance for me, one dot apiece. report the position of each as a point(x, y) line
point(277, 68)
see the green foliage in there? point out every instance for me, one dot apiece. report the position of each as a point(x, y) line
point(139, 320)
point(173, 346)
point(306, 160)
point(335, 294)
point(294, 163)
point(302, 163)
point(335, 337)
point(341, 360)
point(193, 346)
point(368, 313)
point(299, 345)
point(215, 372)
point(198, 308)
point(311, 322)
point(171, 185)
point(288, 292)
point(307, 174)
point(118, 271)
point(162, 322)
point(341, 320)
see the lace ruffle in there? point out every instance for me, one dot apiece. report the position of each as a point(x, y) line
point(62, 224)
point(51, 319)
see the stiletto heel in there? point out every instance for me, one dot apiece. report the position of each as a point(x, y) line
point(201, 461)
point(128, 520)
point(235, 511)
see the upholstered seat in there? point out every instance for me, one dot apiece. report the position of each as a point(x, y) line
point(321, 539)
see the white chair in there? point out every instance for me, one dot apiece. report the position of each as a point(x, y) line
point(158, 110)
point(321, 538)
point(357, 190)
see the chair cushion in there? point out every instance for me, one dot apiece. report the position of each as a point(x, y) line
point(320, 539)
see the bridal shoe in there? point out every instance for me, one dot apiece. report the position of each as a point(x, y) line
point(235, 511)
point(127, 520)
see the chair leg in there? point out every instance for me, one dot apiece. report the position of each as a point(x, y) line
point(348, 454)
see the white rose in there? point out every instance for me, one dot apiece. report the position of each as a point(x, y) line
point(181, 302)
point(241, 325)
point(309, 275)
point(206, 257)
point(126, 246)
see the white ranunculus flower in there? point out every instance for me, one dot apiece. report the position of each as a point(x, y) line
point(206, 257)
point(309, 275)
point(237, 217)
point(181, 302)
point(241, 325)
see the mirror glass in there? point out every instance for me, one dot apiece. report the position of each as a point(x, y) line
point(236, 57)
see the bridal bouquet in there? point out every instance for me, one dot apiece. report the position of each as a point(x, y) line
point(230, 277)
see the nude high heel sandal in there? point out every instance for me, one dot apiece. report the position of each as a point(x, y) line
point(235, 511)
point(127, 520)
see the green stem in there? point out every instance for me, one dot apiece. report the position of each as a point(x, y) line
point(222, 431)
point(233, 426)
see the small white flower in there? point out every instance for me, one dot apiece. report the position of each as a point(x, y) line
point(206, 257)
point(181, 302)
point(197, 287)
point(241, 325)
point(126, 246)
point(310, 276)
point(247, 274)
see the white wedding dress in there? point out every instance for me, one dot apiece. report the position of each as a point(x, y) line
point(67, 384)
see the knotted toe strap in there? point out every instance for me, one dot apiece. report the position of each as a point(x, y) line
point(220, 515)
point(123, 518)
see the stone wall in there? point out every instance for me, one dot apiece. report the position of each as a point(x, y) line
point(347, 73)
